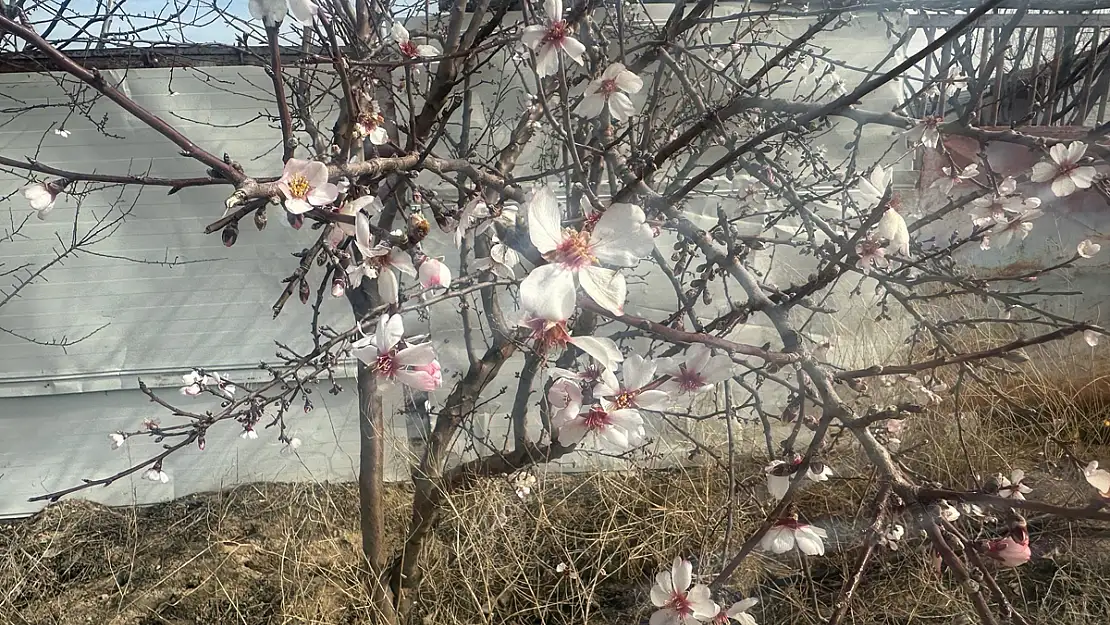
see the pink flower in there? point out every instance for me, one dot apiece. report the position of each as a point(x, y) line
point(610, 90)
point(738, 612)
point(1014, 486)
point(620, 237)
point(871, 254)
point(304, 184)
point(1064, 171)
point(371, 125)
point(1013, 550)
point(546, 40)
point(380, 353)
point(434, 274)
point(678, 603)
point(614, 430)
point(408, 48)
point(434, 377)
point(789, 533)
point(954, 178)
point(699, 373)
point(550, 336)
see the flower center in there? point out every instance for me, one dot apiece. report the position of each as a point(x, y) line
point(408, 49)
point(625, 399)
point(574, 251)
point(556, 33)
point(386, 365)
point(298, 186)
point(549, 336)
point(597, 418)
point(609, 87)
point(680, 604)
point(689, 380)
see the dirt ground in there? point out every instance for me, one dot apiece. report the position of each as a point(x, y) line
point(280, 553)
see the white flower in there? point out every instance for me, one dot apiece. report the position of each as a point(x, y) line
point(892, 227)
point(954, 177)
point(1091, 337)
point(738, 612)
point(547, 39)
point(408, 48)
point(1087, 248)
point(156, 475)
point(873, 188)
point(474, 219)
point(293, 445)
point(523, 485)
point(699, 373)
point(271, 12)
point(1064, 171)
point(926, 131)
point(249, 434)
point(621, 237)
point(434, 274)
point(41, 197)
point(501, 261)
point(62, 132)
point(890, 537)
point(610, 90)
point(608, 429)
point(1013, 487)
point(304, 184)
point(1099, 478)
point(368, 203)
point(1020, 226)
point(678, 603)
point(550, 336)
point(637, 373)
point(779, 475)
point(380, 353)
point(789, 533)
point(383, 262)
point(947, 511)
point(117, 439)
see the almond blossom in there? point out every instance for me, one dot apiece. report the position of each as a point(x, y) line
point(954, 177)
point(501, 261)
point(272, 12)
point(678, 602)
point(926, 131)
point(892, 227)
point(607, 429)
point(117, 439)
point(610, 90)
point(474, 219)
point(620, 237)
point(1064, 171)
point(779, 474)
point(700, 372)
point(1091, 338)
point(1098, 478)
point(1019, 226)
point(1087, 248)
point(371, 125)
point(788, 533)
point(871, 254)
point(368, 203)
point(380, 352)
point(249, 434)
point(434, 274)
point(1013, 550)
point(637, 373)
point(156, 474)
point(999, 207)
point(42, 197)
point(874, 186)
point(551, 336)
point(408, 48)
point(738, 612)
point(304, 184)
point(435, 375)
point(195, 382)
point(1013, 487)
point(383, 262)
point(551, 37)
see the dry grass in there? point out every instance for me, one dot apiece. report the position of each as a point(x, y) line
point(280, 553)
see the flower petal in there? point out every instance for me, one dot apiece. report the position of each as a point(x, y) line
point(544, 220)
point(388, 286)
point(606, 287)
point(682, 573)
point(622, 237)
point(548, 293)
point(621, 107)
point(390, 331)
point(416, 355)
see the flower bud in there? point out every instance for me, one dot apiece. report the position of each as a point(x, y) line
point(230, 234)
point(295, 220)
point(338, 287)
point(305, 291)
point(260, 218)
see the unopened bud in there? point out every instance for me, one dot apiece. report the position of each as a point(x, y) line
point(338, 287)
point(305, 291)
point(260, 219)
point(295, 220)
point(230, 234)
